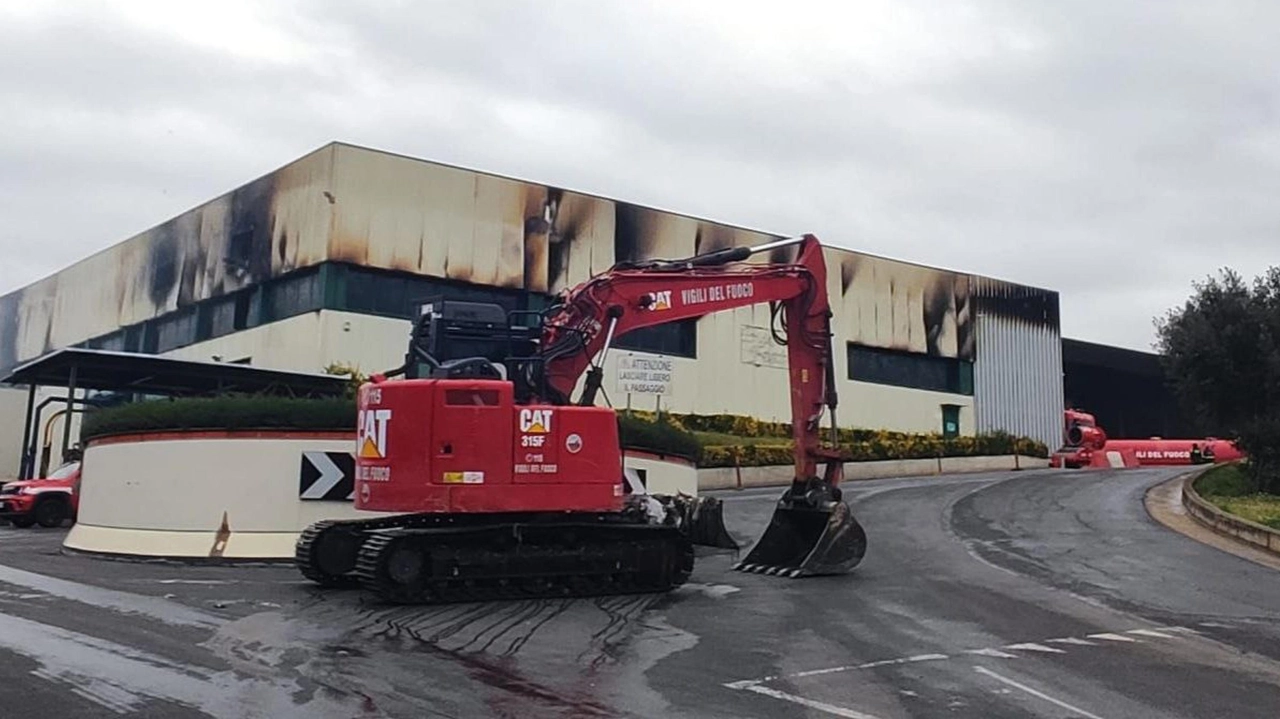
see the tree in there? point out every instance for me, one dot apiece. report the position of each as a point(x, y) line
point(1221, 352)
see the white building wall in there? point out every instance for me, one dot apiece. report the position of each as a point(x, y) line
point(13, 403)
point(289, 344)
point(727, 378)
point(13, 408)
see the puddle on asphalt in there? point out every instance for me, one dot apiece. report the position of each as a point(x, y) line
point(583, 657)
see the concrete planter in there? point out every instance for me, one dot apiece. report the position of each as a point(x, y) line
point(221, 495)
point(1229, 525)
point(202, 494)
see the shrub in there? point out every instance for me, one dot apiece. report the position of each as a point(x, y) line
point(1226, 480)
point(660, 437)
point(1260, 440)
point(229, 412)
point(671, 435)
point(899, 446)
point(354, 376)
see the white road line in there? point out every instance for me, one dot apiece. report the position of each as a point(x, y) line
point(1035, 693)
point(1112, 637)
point(1032, 646)
point(122, 676)
point(989, 652)
point(868, 665)
point(123, 602)
point(1149, 633)
point(1157, 632)
point(820, 706)
point(74, 685)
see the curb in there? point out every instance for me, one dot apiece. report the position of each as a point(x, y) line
point(716, 478)
point(1242, 531)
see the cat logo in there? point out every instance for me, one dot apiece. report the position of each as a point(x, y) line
point(535, 421)
point(371, 436)
point(660, 300)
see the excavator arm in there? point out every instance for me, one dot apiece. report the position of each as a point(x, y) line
point(812, 531)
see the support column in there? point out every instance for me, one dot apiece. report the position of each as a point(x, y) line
point(66, 421)
point(24, 464)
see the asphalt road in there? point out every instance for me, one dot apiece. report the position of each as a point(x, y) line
point(1037, 594)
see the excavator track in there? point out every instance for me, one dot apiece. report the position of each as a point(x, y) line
point(575, 557)
point(431, 559)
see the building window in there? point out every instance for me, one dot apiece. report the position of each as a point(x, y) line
point(678, 339)
point(176, 330)
point(113, 342)
point(381, 292)
point(910, 369)
point(297, 294)
point(220, 316)
point(248, 310)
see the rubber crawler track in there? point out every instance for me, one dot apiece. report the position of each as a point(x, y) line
point(479, 558)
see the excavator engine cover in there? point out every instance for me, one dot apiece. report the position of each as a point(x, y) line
point(807, 539)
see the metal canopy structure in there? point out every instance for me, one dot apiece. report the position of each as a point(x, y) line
point(126, 372)
point(110, 371)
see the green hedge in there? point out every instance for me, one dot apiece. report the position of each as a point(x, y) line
point(863, 445)
point(676, 435)
point(1226, 480)
point(915, 447)
point(231, 412)
point(657, 437)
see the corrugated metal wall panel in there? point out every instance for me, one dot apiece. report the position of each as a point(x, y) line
point(1018, 369)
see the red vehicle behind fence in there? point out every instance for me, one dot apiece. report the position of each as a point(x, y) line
point(48, 501)
point(1087, 445)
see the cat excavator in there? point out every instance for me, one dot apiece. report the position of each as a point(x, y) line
point(499, 484)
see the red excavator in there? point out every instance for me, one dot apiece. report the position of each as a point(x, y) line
point(504, 486)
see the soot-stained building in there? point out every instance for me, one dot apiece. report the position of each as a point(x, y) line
point(321, 261)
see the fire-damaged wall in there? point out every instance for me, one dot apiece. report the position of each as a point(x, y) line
point(344, 204)
point(354, 205)
point(898, 305)
point(263, 229)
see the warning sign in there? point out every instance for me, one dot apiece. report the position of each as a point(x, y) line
point(645, 374)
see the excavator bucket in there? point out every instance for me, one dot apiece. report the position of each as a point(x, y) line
point(706, 524)
point(803, 541)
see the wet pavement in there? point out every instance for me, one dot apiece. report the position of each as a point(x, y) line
point(1041, 594)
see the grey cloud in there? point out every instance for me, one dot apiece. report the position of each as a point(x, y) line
point(1115, 153)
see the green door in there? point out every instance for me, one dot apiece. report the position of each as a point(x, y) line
point(950, 420)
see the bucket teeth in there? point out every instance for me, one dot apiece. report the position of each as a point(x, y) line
point(805, 540)
point(790, 572)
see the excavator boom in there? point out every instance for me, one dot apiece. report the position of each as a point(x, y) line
point(812, 530)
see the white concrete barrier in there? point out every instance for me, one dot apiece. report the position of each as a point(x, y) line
point(207, 494)
point(663, 474)
point(240, 495)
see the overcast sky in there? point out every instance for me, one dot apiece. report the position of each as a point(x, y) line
point(1115, 152)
